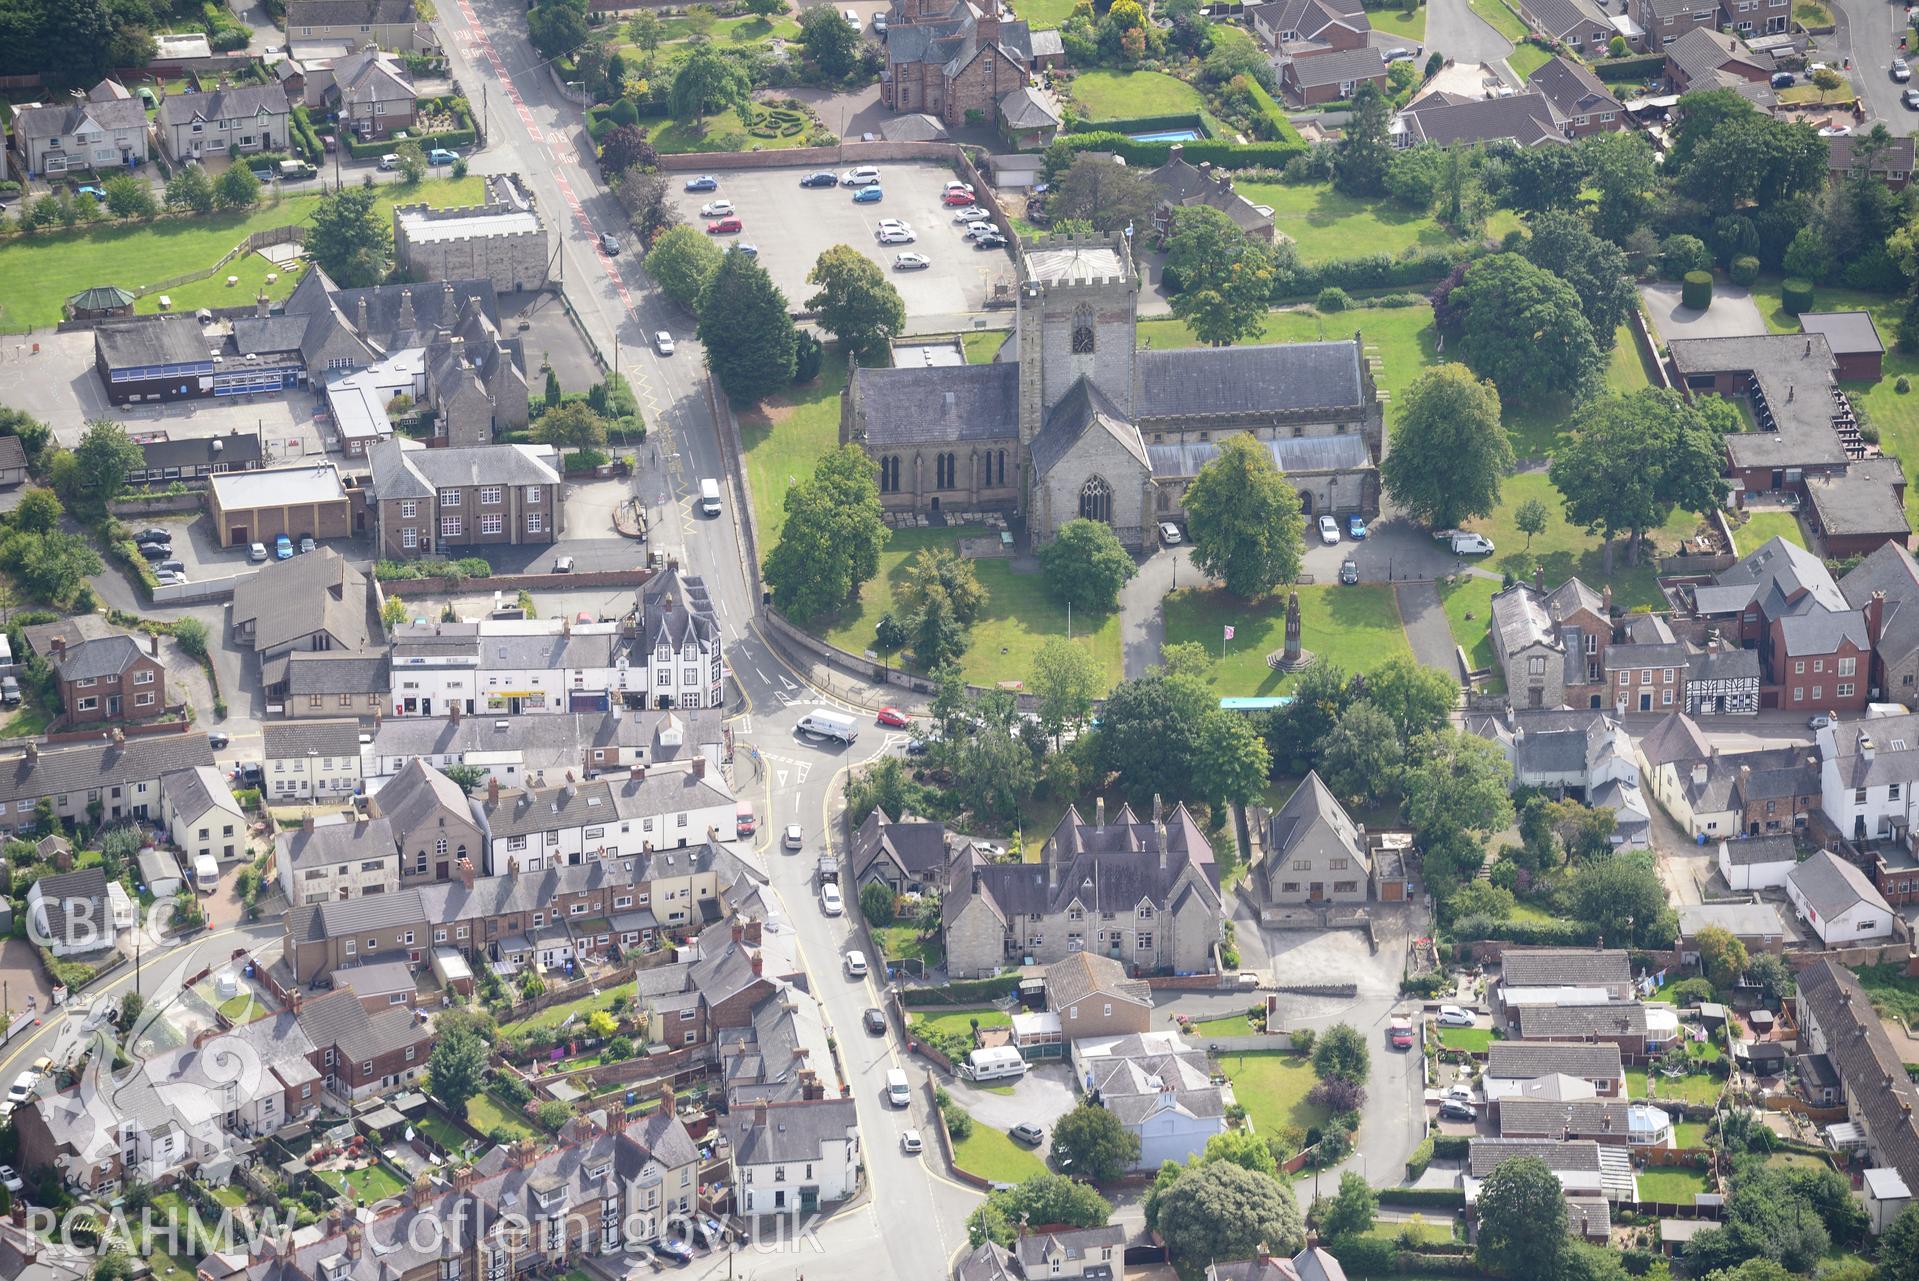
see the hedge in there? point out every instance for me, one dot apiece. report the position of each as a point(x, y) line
point(1423, 1198)
point(1744, 270)
point(1374, 271)
point(1481, 929)
point(1450, 1147)
point(1143, 124)
point(1421, 1158)
point(1696, 291)
point(1227, 155)
point(1424, 1264)
point(964, 992)
point(305, 137)
point(1795, 296)
point(1270, 112)
point(449, 141)
point(1642, 67)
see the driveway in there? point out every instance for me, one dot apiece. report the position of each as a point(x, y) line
point(1042, 1096)
point(1431, 635)
point(1733, 313)
point(1453, 29)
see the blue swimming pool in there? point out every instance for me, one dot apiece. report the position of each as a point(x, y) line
point(1167, 135)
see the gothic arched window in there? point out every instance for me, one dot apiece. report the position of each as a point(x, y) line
point(1082, 330)
point(889, 474)
point(1096, 500)
point(947, 472)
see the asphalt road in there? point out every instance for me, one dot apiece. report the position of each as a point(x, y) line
point(1868, 33)
point(1452, 28)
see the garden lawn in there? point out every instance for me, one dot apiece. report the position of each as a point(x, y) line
point(1672, 1184)
point(554, 1015)
point(1428, 1230)
point(1228, 1025)
point(1527, 58)
point(1326, 225)
point(1020, 614)
point(487, 1114)
point(992, 1154)
point(171, 1208)
point(1272, 1086)
point(721, 131)
point(1699, 1087)
point(1041, 14)
point(1689, 1134)
point(903, 942)
point(1567, 549)
point(29, 722)
point(956, 1022)
point(729, 31)
point(1400, 23)
point(441, 1131)
point(1811, 95)
point(213, 291)
point(1129, 95)
point(1356, 627)
point(1762, 527)
point(1811, 13)
point(783, 438)
point(367, 1184)
point(1473, 1040)
point(241, 1008)
point(1472, 594)
point(40, 272)
point(1502, 19)
point(982, 345)
point(1625, 368)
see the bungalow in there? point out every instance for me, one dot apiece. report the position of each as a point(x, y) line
point(1552, 975)
point(1580, 25)
point(1613, 1122)
point(1706, 59)
point(1839, 901)
point(1580, 98)
point(1889, 160)
point(1857, 349)
point(1620, 1023)
point(1511, 1065)
point(1576, 1164)
point(1331, 75)
point(1757, 925)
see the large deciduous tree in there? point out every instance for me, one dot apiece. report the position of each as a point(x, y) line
point(1225, 276)
point(1350, 1212)
point(1625, 900)
point(1364, 152)
point(1620, 167)
point(749, 337)
point(1522, 1221)
point(1091, 1143)
point(350, 241)
point(1631, 461)
point(683, 262)
point(1231, 762)
point(830, 541)
point(557, 26)
point(104, 459)
point(707, 81)
point(1361, 756)
point(1110, 196)
point(1340, 1054)
point(1596, 269)
point(1085, 565)
point(1245, 520)
point(1449, 449)
point(1416, 698)
point(1219, 1210)
point(624, 147)
point(1524, 329)
point(1065, 680)
point(1148, 734)
point(456, 1069)
point(1457, 788)
point(190, 190)
point(830, 41)
point(855, 302)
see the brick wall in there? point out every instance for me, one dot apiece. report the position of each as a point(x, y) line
point(801, 157)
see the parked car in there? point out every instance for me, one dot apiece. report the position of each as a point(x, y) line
point(1399, 53)
point(678, 1251)
point(1454, 1016)
point(868, 196)
point(911, 262)
point(283, 548)
point(875, 1020)
point(824, 178)
point(663, 343)
point(864, 176)
point(1169, 533)
point(9, 1179)
point(9, 690)
point(256, 552)
point(1328, 530)
point(1400, 1033)
point(830, 901)
point(1784, 80)
point(725, 227)
point(1454, 1110)
point(1835, 131)
point(716, 209)
point(894, 717)
point(750, 250)
point(1027, 1132)
point(1910, 99)
point(879, 24)
point(99, 195)
point(171, 567)
point(896, 236)
point(307, 544)
point(390, 161)
point(440, 156)
point(993, 241)
point(1349, 572)
point(952, 198)
point(794, 838)
point(855, 961)
point(1900, 71)
point(703, 182)
point(154, 535)
point(562, 564)
point(853, 19)
point(219, 739)
point(914, 746)
point(973, 213)
point(1356, 527)
point(23, 1087)
point(1820, 720)
point(610, 243)
point(156, 551)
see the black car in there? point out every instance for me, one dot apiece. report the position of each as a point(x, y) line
point(1454, 1110)
point(668, 1248)
point(992, 240)
point(218, 739)
point(1783, 80)
point(820, 179)
point(156, 551)
point(875, 1020)
point(1349, 572)
point(154, 535)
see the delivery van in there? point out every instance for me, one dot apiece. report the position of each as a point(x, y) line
point(710, 496)
point(898, 1092)
point(830, 725)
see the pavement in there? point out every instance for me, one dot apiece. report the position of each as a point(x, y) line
point(1733, 313)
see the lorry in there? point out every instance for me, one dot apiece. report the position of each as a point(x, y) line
point(825, 724)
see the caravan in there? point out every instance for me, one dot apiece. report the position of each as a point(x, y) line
point(1000, 1063)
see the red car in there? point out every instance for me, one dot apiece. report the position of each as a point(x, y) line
point(956, 198)
point(895, 717)
point(724, 226)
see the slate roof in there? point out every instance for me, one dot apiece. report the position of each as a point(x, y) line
point(1198, 382)
point(1876, 752)
point(675, 607)
point(420, 473)
point(1566, 1116)
point(933, 405)
point(317, 592)
point(1791, 371)
point(1083, 974)
point(100, 765)
point(1036, 1250)
point(153, 340)
point(915, 126)
point(332, 672)
point(917, 846)
point(416, 793)
point(1526, 118)
point(240, 103)
point(554, 743)
point(193, 793)
point(1702, 51)
point(1761, 851)
point(1676, 739)
point(86, 885)
point(1028, 108)
point(59, 120)
point(370, 76)
point(1572, 88)
point(1866, 498)
point(236, 449)
point(1848, 333)
point(1483, 1156)
point(1832, 886)
point(1560, 18)
point(1877, 1087)
point(1579, 1022)
point(290, 740)
point(1336, 66)
point(1891, 569)
point(329, 844)
point(349, 13)
point(1727, 663)
point(1083, 408)
point(1564, 967)
point(1311, 825)
point(92, 659)
point(788, 1132)
point(13, 455)
point(1781, 577)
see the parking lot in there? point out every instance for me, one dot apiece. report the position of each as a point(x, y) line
point(792, 225)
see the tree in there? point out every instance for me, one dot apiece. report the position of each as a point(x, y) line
point(1522, 1221)
point(1531, 518)
point(190, 190)
point(1596, 269)
point(1540, 178)
point(646, 31)
point(1364, 152)
point(1110, 196)
point(129, 197)
point(190, 634)
point(1774, 979)
point(855, 303)
point(557, 26)
point(1243, 1148)
point(1218, 1210)
point(831, 539)
point(1245, 519)
point(1350, 1213)
point(1360, 758)
point(1043, 1199)
point(1230, 762)
point(682, 263)
point(1295, 731)
point(708, 81)
point(1631, 461)
point(412, 162)
point(648, 201)
point(1085, 565)
point(1416, 698)
point(1721, 955)
point(101, 465)
point(1620, 167)
point(886, 786)
point(1457, 789)
point(748, 334)
point(456, 1068)
point(1449, 449)
point(1340, 1054)
point(831, 42)
point(1148, 734)
point(1899, 1248)
point(1525, 330)
point(939, 638)
point(237, 188)
point(876, 902)
point(571, 425)
point(1233, 53)
point(348, 238)
point(624, 147)
point(1091, 1143)
point(34, 435)
point(766, 8)
point(1623, 898)
point(1225, 277)
point(1065, 680)
point(38, 511)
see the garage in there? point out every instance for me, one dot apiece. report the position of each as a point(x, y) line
point(300, 502)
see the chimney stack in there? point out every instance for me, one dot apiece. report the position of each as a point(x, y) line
point(466, 873)
point(359, 315)
point(1539, 579)
point(492, 791)
point(699, 765)
point(453, 712)
point(756, 962)
point(759, 1112)
point(1875, 616)
point(306, 821)
point(262, 305)
point(739, 929)
point(1099, 812)
point(1605, 599)
point(667, 1104)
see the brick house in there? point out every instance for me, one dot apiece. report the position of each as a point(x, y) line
point(1664, 21)
point(1294, 26)
point(1891, 574)
point(427, 500)
point(1706, 59)
point(1093, 997)
point(1330, 75)
point(952, 60)
point(109, 678)
point(1580, 25)
point(1578, 97)
point(1891, 163)
point(390, 24)
point(1553, 645)
point(1814, 647)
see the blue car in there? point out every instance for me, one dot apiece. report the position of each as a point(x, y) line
point(868, 196)
point(95, 192)
point(705, 182)
point(283, 548)
point(677, 1251)
point(1355, 527)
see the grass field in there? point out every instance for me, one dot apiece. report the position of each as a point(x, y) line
point(1125, 95)
point(487, 1114)
point(30, 721)
point(38, 273)
point(1626, 369)
point(1471, 595)
point(213, 291)
point(992, 1154)
point(1474, 1040)
point(1400, 23)
point(1567, 549)
point(782, 439)
point(1355, 627)
point(721, 131)
point(956, 1022)
point(1041, 14)
point(1325, 224)
point(1891, 993)
point(1019, 616)
point(1699, 1087)
point(1811, 13)
point(1672, 1184)
point(1503, 20)
point(1762, 527)
point(982, 345)
point(1272, 1086)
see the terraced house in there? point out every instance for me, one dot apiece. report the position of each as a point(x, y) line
point(122, 776)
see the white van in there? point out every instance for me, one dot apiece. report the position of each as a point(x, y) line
point(710, 496)
point(898, 1092)
point(830, 725)
point(996, 1064)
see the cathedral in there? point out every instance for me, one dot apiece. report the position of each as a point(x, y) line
point(1072, 419)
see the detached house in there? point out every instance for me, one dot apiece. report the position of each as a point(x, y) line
point(1313, 852)
point(1579, 97)
point(390, 24)
point(1293, 27)
point(72, 913)
point(1706, 59)
point(429, 500)
point(1076, 1254)
point(908, 857)
point(250, 118)
point(1596, 1070)
point(954, 61)
point(1331, 75)
point(104, 131)
point(1580, 25)
point(370, 91)
point(1183, 185)
point(108, 679)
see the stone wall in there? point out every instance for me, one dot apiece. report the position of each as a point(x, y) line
point(847, 153)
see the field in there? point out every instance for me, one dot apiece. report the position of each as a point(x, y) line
point(38, 273)
point(1672, 1184)
point(1355, 627)
point(214, 291)
point(1567, 549)
point(1472, 595)
point(1699, 1087)
point(992, 1154)
point(1762, 527)
point(1432, 1231)
point(1473, 1040)
point(1325, 224)
point(1527, 58)
point(1272, 1086)
point(731, 31)
point(1127, 95)
point(367, 1184)
point(782, 439)
point(1041, 14)
point(1019, 616)
point(1503, 20)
